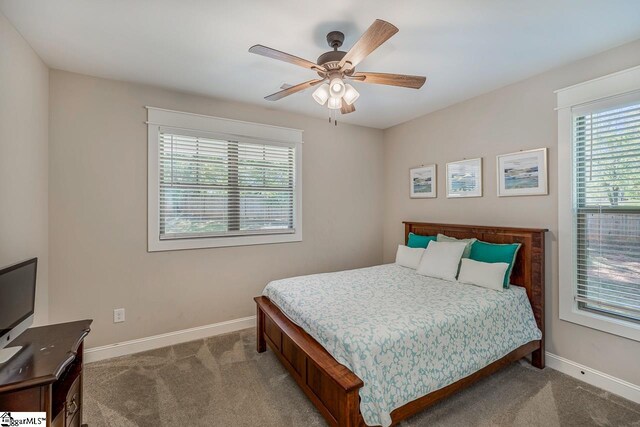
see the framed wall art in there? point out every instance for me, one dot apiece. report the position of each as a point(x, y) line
point(464, 178)
point(523, 173)
point(423, 182)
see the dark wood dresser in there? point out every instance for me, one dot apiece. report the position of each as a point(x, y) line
point(46, 376)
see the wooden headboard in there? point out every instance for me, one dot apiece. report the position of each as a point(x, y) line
point(528, 270)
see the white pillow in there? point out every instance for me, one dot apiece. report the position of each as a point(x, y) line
point(408, 257)
point(486, 274)
point(469, 242)
point(441, 259)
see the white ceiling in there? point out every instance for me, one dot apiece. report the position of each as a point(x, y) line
point(464, 47)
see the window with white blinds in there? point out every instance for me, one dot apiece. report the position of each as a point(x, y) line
point(606, 182)
point(214, 187)
point(216, 182)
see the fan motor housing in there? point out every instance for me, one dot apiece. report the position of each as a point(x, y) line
point(330, 60)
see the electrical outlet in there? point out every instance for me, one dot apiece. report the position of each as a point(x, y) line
point(118, 315)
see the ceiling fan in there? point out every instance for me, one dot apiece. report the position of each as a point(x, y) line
point(337, 67)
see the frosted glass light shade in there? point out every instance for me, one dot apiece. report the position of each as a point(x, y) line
point(321, 94)
point(335, 103)
point(350, 94)
point(336, 88)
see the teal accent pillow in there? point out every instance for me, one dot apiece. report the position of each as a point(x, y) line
point(496, 252)
point(417, 241)
point(467, 249)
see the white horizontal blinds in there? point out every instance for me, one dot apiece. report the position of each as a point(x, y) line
point(266, 187)
point(214, 187)
point(607, 214)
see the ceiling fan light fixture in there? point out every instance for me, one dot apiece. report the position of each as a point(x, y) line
point(335, 68)
point(321, 94)
point(335, 103)
point(336, 87)
point(350, 94)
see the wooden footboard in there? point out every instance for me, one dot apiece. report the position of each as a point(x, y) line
point(332, 387)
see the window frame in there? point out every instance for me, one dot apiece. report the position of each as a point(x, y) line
point(607, 89)
point(217, 128)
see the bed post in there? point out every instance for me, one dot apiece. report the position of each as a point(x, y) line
point(350, 413)
point(537, 357)
point(537, 299)
point(261, 343)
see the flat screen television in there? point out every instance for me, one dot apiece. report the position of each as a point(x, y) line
point(17, 300)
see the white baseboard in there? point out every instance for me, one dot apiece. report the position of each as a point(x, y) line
point(596, 378)
point(149, 343)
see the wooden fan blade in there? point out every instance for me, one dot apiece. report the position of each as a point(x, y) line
point(379, 32)
point(346, 108)
point(293, 89)
point(281, 56)
point(402, 80)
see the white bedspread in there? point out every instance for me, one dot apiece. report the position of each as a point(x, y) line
point(405, 335)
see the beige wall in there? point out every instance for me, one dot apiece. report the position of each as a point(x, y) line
point(98, 213)
point(24, 99)
point(517, 117)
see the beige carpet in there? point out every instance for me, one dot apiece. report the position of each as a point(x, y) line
point(222, 381)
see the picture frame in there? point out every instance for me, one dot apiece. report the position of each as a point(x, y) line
point(523, 173)
point(464, 178)
point(423, 182)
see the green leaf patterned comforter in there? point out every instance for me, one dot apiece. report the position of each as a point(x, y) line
point(405, 335)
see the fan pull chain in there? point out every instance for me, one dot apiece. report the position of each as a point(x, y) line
point(332, 117)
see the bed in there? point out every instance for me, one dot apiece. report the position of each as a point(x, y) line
point(412, 340)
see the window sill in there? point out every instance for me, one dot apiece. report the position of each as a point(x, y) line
point(157, 245)
point(601, 322)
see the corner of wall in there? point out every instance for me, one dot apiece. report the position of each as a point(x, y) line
point(24, 144)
